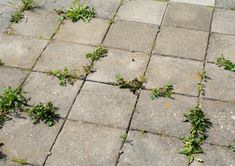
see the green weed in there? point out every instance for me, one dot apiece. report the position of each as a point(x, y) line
point(227, 64)
point(16, 17)
point(97, 54)
point(27, 5)
point(20, 161)
point(232, 148)
point(1, 63)
point(165, 91)
point(123, 136)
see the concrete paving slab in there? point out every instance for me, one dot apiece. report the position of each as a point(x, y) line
point(148, 11)
point(41, 87)
point(57, 4)
point(151, 150)
point(181, 43)
point(182, 73)
point(188, 16)
point(223, 21)
point(131, 36)
point(103, 104)
point(20, 51)
point(171, 112)
point(128, 64)
point(225, 3)
point(197, 2)
point(85, 144)
point(82, 32)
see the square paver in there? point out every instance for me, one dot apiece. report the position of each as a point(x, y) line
point(85, 144)
point(182, 43)
point(148, 11)
point(103, 104)
point(225, 3)
point(57, 4)
point(197, 2)
point(182, 73)
point(220, 85)
point(223, 21)
point(151, 150)
point(92, 32)
point(188, 16)
point(171, 112)
point(11, 77)
point(41, 87)
point(128, 64)
point(221, 44)
point(40, 23)
point(21, 139)
point(59, 55)
point(222, 116)
point(20, 51)
point(131, 36)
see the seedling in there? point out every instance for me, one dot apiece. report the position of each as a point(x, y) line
point(204, 76)
point(201, 88)
point(45, 112)
point(16, 17)
point(134, 85)
point(123, 136)
point(165, 91)
point(20, 161)
point(88, 69)
point(1, 63)
point(232, 148)
point(27, 5)
point(143, 131)
point(227, 64)
point(65, 76)
point(97, 54)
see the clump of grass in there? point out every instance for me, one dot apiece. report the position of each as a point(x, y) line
point(134, 85)
point(27, 5)
point(16, 17)
point(97, 54)
point(165, 91)
point(20, 161)
point(227, 64)
point(45, 112)
point(200, 125)
point(66, 76)
point(123, 136)
point(232, 148)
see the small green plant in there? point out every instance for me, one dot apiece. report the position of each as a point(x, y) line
point(97, 54)
point(45, 112)
point(143, 131)
point(1, 63)
point(20, 161)
point(227, 64)
point(201, 88)
point(232, 148)
point(123, 136)
point(65, 76)
point(134, 85)
point(88, 69)
point(165, 91)
point(16, 17)
point(27, 5)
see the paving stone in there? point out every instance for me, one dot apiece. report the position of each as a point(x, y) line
point(82, 32)
point(151, 150)
point(85, 144)
point(40, 23)
point(222, 116)
point(148, 11)
point(4, 2)
point(103, 104)
point(221, 44)
point(59, 55)
point(22, 138)
point(129, 65)
point(20, 51)
point(57, 4)
point(5, 14)
point(11, 77)
point(182, 43)
point(44, 88)
point(188, 16)
point(182, 73)
point(220, 85)
point(4, 23)
point(216, 156)
point(131, 36)
point(223, 21)
point(225, 3)
point(171, 112)
point(197, 2)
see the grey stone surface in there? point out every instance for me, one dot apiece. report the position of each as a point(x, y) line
point(188, 16)
point(85, 144)
point(44, 88)
point(151, 150)
point(220, 85)
point(82, 32)
point(56, 4)
point(103, 104)
point(24, 140)
point(5, 14)
point(221, 44)
point(39, 23)
point(11, 77)
point(182, 43)
point(162, 115)
point(4, 2)
point(225, 3)
point(148, 11)
point(222, 116)
point(197, 2)
point(223, 21)
point(182, 73)
point(129, 65)
point(59, 55)
point(4, 23)
point(20, 51)
point(131, 36)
